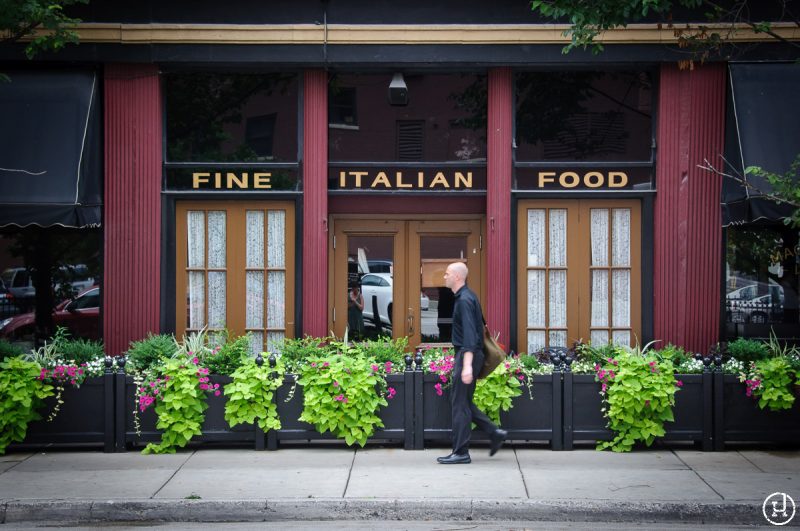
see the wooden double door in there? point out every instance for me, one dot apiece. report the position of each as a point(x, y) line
point(396, 267)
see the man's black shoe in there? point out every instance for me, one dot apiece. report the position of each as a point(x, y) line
point(496, 440)
point(455, 459)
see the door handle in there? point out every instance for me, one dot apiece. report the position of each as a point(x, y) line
point(410, 320)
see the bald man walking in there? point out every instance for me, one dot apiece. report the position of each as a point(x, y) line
point(468, 345)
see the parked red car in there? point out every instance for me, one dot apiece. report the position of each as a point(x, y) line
point(81, 316)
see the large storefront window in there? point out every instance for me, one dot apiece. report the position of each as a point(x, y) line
point(761, 287)
point(443, 121)
point(584, 116)
point(216, 117)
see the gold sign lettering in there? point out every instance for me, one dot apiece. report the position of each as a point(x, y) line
point(231, 180)
point(590, 179)
point(382, 180)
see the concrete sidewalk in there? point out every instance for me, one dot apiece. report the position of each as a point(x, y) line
point(325, 483)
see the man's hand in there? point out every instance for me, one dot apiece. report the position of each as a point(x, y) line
point(466, 370)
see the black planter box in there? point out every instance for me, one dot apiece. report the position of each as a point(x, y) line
point(396, 416)
point(584, 420)
point(85, 417)
point(215, 427)
point(527, 420)
point(738, 418)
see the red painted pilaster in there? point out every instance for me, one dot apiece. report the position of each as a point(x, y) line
point(498, 201)
point(687, 208)
point(315, 203)
point(132, 205)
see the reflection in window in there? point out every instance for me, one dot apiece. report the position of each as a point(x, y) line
point(761, 285)
point(437, 301)
point(598, 116)
point(370, 286)
point(213, 117)
point(444, 121)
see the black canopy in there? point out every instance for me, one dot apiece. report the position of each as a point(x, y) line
point(50, 149)
point(763, 129)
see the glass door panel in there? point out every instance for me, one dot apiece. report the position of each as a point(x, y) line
point(370, 286)
point(433, 245)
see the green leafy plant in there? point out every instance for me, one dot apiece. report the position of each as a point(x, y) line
point(769, 380)
point(385, 349)
point(9, 350)
point(181, 405)
point(496, 392)
point(250, 395)
point(747, 350)
point(228, 356)
point(81, 350)
point(295, 352)
point(149, 352)
point(341, 395)
point(639, 391)
point(22, 392)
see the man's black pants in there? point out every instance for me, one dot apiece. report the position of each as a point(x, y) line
point(464, 411)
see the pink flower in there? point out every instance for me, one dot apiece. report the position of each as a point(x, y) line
point(335, 383)
point(326, 364)
point(344, 400)
point(679, 383)
point(392, 392)
point(603, 388)
point(374, 368)
point(204, 386)
point(313, 364)
point(521, 377)
point(438, 388)
point(647, 403)
point(195, 360)
point(217, 393)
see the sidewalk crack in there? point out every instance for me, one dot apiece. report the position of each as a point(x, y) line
point(173, 474)
point(349, 473)
point(698, 475)
point(15, 465)
point(521, 474)
point(751, 462)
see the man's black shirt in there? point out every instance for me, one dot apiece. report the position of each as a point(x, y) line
point(467, 322)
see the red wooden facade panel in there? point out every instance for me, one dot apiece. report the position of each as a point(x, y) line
point(687, 208)
point(132, 204)
point(498, 201)
point(315, 203)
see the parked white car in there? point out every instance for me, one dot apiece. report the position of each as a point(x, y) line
point(19, 281)
point(380, 286)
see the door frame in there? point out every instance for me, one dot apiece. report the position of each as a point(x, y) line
point(340, 225)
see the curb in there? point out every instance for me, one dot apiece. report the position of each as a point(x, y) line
point(148, 510)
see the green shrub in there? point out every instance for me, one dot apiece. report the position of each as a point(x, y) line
point(81, 350)
point(747, 350)
point(229, 356)
point(147, 353)
point(295, 352)
point(9, 350)
point(386, 349)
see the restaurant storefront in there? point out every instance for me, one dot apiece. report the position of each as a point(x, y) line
point(254, 177)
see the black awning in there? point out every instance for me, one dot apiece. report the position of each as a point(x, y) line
point(50, 149)
point(763, 129)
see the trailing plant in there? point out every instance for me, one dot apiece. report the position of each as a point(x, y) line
point(180, 403)
point(639, 394)
point(149, 352)
point(496, 392)
point(22, 393)
point(342, 394)
point(250, 395)
point(9, 350)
